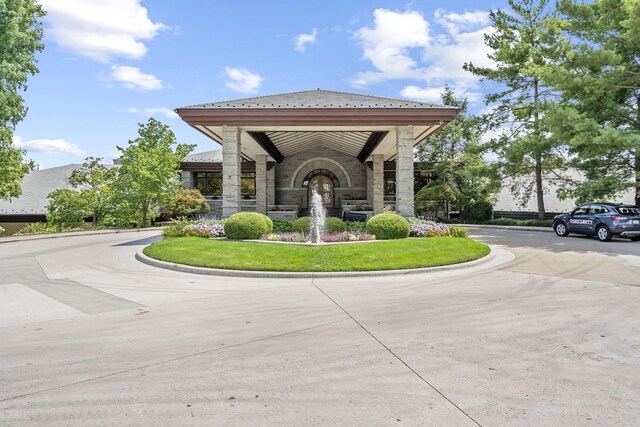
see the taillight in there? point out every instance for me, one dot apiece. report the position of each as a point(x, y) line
point(619, 218)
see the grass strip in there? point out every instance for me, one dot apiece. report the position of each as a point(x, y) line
point(382, 255)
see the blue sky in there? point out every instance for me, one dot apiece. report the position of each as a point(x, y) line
point(110, 64)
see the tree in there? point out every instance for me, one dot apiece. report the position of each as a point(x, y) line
point(454, 156)
point(20, 35)
point(94, 181)
point(522, 46)
point(148, 175)
point(599, 78)
point(66, 208)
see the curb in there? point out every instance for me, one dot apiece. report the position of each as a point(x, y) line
point(9, 239)
point(140, 256)
point(508, 227)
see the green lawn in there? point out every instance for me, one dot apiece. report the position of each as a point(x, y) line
point(379, 255)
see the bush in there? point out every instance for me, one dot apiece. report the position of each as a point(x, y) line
point(187, 202)
point(355, 226)
point(35, 228)
point(1, 231)
point(386, 226)
point(334, 225)
point(301, 225)
point(247, 225)
point(458, 231)
point(281, 226)
point(479, 211)
point(522, 222)
point(331, 225)
point(66, 208)
point(172, 231)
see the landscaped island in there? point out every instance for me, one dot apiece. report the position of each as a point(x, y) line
point(433, 245)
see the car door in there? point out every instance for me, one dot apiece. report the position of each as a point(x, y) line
point(579, 220)
point(596, 215)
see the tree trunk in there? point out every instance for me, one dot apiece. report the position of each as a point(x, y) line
point(637, 170)
point(95, 216)
point(539, 189)
point(145, 207)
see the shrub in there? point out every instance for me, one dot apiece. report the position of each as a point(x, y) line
point(187, 202)
point(247, 225)
point(35, 228)
point(281, 226)
point(386, 226)
point(334, 225)
point(66, 208)
point(458, 231)
point(1, 231)
point(479, 211)
point(355, 226)
point(522, 222)
point(301, 225)
point(172, 231)
point(331, 225)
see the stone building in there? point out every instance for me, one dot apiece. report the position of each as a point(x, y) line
point(355, 150)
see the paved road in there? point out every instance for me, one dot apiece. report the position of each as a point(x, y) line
point(91, 336)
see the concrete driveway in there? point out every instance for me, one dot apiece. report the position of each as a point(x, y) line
point(88, 335)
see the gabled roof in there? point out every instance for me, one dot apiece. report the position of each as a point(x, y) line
point(317, 98)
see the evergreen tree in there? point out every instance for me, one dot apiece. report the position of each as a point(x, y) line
point(20, 35)
point(522, 46)
point(599, 78)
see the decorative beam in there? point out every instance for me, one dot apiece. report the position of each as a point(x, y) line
point(374, 139)
point(265, 142)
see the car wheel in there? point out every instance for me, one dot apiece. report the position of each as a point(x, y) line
point(561, 229)
point(603, 233)
point(635, 238)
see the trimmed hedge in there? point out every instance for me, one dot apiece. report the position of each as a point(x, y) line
point(387, 226)
point(479, 212)
point(247, 225)
point(331, 225)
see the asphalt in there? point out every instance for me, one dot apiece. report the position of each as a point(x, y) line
point(91, 336)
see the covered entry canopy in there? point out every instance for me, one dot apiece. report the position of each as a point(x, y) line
point(285, 124)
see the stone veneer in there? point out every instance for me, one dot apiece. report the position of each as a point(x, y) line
point(319, 158)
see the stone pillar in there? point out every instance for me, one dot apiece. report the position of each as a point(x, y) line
point(261, 183)
point(187, 179)
point(271, 186)
point(369, 183)
point(404, 171)
point(230, 170)
point(378, 183)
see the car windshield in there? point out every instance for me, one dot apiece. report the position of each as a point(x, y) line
point(628, 210)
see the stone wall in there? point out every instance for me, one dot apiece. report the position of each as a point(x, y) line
point(346, 168)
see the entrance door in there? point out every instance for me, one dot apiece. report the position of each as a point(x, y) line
point(324, 186)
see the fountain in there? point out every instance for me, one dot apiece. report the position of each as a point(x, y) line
point(317, 217)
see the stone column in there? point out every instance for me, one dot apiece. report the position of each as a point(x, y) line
point(261, 183)
point(230, 170)
point(187, 179)
point(404, 171)
point(271, 186)
point(369, 183)
point(378, 183)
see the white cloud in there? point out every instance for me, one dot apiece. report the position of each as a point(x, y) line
point(100, 30)
point(404, 45)
point(242, 80)
point(305, 39)
point(51, 146)
point(133, 78)
point(168, 113)
point(423, 94)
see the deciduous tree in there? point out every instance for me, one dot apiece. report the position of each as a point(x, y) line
point(94, 180)
point(20, 35)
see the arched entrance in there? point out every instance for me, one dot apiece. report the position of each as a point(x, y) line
point(324, 182)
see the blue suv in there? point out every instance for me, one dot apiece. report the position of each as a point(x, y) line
point(603, 220)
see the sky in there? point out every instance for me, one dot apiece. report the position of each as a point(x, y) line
point(109, 65)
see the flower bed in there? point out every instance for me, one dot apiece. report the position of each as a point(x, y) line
point(343, 236)
point(203, 230)
point(423, 228)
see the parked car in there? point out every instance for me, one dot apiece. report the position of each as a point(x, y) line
point(603, 220)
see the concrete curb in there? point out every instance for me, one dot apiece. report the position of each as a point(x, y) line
point(74, 234)
point(507, 227)
point(140, 256)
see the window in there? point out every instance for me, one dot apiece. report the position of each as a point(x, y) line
point(209, 183)
point(389, 183)
point(248, 184)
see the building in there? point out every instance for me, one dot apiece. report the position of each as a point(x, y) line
point(355, 150)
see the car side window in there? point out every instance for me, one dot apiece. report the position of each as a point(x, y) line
point(582, 210)
point(597, 209)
